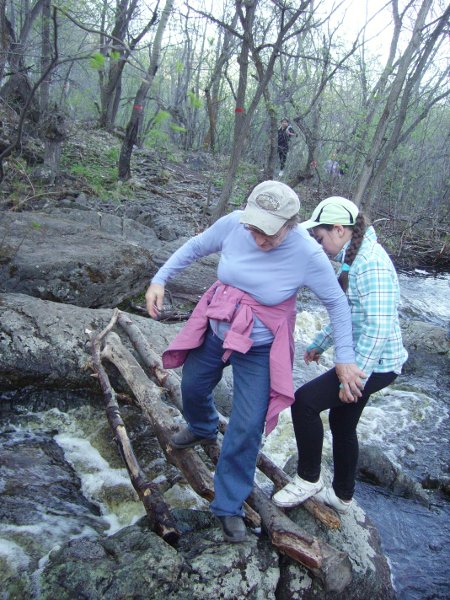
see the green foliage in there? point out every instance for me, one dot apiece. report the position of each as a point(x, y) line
point(112, 155)
point(97, 61)
point(156, 138)
point(194, 100)
point(114, 55)
point(179, 67)
point(177, 128)
point(96, 175)
point(218, 181)
point(160, 117)
point(97, 169)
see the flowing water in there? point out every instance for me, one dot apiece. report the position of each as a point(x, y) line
point(409, 421)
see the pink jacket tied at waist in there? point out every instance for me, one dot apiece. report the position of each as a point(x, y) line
point(226, 303)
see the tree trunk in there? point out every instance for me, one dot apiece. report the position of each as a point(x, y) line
point(397, 91)
point(44, 91)
point(243, 117)
point(117, 52)
point(135, 122)
point(4, 38)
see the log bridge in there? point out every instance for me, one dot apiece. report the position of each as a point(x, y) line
point(151, 385)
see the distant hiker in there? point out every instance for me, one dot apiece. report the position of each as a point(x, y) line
point(332, 167)
point(285, 132)
point(246, 320)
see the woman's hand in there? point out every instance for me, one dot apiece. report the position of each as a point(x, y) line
point(312, 355)
point(350, 376)
point(154, 297)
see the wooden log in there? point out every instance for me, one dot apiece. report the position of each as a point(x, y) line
point(280, 478)
point(149, 398)
point(331, 566)
point(171, 382)
point(159, 515)
point(163, 417)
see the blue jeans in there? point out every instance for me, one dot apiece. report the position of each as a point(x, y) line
point(202, 371)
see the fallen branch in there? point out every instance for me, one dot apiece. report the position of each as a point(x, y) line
point(162, 417)
point(159, 515)
point(171, 382)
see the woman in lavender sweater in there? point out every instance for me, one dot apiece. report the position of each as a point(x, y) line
point(246, 320)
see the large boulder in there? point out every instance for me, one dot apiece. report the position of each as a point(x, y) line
point(44, 344)
point(76, 257)
point(135, 563)
point(425, 338)
point(89, 258)
point(203, 567)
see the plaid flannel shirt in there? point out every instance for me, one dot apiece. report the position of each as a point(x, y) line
point(374, 295)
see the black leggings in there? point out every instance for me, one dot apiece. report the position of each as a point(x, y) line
point(310, 400)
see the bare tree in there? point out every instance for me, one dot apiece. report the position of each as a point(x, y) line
point(135, 121)
point(213, 85)
point(4, 38)
point(46, 49)
point(290, 23)
point(18, 87)
point(401, 80)
point(30, 98)
point(116, 50)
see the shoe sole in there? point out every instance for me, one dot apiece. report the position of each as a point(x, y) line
point(201, 442)
point(294, 504)
point(234, 540)
point(340, 511)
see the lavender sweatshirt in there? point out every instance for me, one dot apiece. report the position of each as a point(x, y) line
point(270, 277)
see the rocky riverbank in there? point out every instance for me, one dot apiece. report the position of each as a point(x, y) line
point(63, 267)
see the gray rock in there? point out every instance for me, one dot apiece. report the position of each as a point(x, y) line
point(75, 256)
point(135, 563)
point(374, 465)
point(39, 491)
point(425, 337)
point(357, 537)
point(44, 344)
point(202, 566)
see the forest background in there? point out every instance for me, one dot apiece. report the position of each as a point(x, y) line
point(205, 76)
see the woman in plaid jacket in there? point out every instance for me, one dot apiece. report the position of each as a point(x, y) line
point(368, 277)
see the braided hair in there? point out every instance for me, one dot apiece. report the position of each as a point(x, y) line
point(359, 229)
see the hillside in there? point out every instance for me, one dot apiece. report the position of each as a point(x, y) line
point(174, 191)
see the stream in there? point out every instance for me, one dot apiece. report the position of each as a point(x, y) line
point(47, 449)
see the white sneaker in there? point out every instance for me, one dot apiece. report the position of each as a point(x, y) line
point(296, 492)
point(328, 496)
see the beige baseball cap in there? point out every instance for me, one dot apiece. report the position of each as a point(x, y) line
point(269, 206)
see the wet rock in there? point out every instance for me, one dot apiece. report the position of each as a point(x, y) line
point(41, 504)
point(357, 536)
point(375, 466)
point(424, 337)
point(38, 480)
point(437, 482)
point(135, 563)
point(203, 567)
